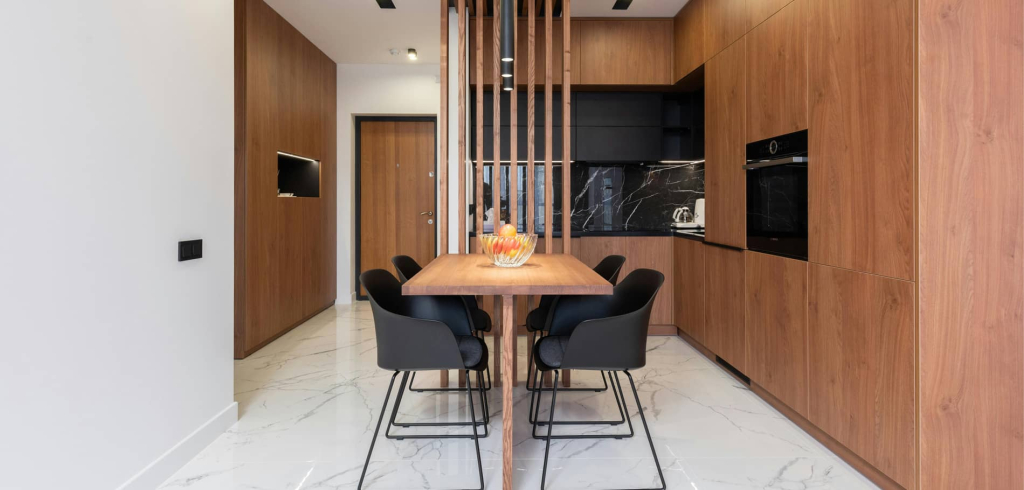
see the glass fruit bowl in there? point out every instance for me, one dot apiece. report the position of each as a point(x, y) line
point(508, 251)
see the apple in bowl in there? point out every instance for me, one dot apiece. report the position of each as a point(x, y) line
point(508, 247)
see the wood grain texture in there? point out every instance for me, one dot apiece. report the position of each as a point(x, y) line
point(531, 118)
point(626, 52)
point(513, 169)
point(759, 11)
point(777, 74)
point(508, 375)
point(566, 129)
point(442, 170)
point(522, 309)
point(726, 21)
point(776, 327)
point(725, 147)
point(688, 287)
point(285, 248)
point(724, 312)
point(522, 39)
point(641, 253)
point(861, 103)
point(861, 353)
point(463, 210)
point(474, 274)
point(478, 62)
point(496, 122)
point(688, 39)
point(549, 191)
point(971, 296)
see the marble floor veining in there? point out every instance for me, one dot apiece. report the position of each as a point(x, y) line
point(308, 403)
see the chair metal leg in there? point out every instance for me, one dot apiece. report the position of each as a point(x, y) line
point(650, 440)
point(620, 402)
point(373, 441)
point(547, 443)
point(532, 368)
point(394, 414)
point(446, 390)
point(472, 416)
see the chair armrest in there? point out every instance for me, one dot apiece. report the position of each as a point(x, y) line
point(569, 311)
point(405, 344)
point(450, 310)
point(614, 343)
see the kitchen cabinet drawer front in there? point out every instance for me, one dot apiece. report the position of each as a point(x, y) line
point(617, 109)
point(618, 144)
point(625, 52)
point(724, 312)
point(725, 147)
point(776, 312)
point(777, 75)
point(861, 348)
point(688, 286)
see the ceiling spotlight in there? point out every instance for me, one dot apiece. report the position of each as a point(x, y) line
point(393, 51)
point(412, 54)
point(507, 84)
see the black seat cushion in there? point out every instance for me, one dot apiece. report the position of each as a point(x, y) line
point(474, 352)
point(481, 320)
point(549, 351)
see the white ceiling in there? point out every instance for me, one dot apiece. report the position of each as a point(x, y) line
point(358, 31)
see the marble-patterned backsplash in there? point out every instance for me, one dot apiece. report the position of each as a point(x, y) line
point(606, 197)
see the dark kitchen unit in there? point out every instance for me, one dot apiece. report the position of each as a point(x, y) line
point(777, 195)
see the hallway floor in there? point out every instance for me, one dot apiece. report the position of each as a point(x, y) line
point(308, 403)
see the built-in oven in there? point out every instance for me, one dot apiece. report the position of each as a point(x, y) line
point(777, 195)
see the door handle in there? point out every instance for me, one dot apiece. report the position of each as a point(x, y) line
point(428, 213)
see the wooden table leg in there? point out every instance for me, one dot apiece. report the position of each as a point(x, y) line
point(515, 347)
point(507, 314)
point(496, 331)
point(444, 379)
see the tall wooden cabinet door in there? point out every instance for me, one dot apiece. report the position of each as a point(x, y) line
point(724, 317)
point(776, 309)
point(861, 141)
point(760, 10)
point(688, 38)
point(653, 253)
point(726, 22)
point(688, 286)
point(626, 52)
point(777, 75)
point(725, 142)
point(861, 346)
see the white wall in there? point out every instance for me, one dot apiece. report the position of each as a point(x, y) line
point(116, 141)
point(363, 90)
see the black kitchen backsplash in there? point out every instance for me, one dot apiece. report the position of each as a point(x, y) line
point(606, 197)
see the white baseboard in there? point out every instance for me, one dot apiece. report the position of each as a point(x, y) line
point(168, 463)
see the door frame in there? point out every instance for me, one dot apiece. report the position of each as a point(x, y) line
point(359, 186)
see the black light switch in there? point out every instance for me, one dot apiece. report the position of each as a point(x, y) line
point(190, 250)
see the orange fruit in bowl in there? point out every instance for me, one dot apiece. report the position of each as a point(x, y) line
point(508, 230)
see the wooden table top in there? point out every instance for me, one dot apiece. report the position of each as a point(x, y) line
point(474, 274)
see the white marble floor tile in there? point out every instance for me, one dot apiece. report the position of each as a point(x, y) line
point(308, 403)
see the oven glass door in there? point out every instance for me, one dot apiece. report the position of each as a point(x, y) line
point(777, 209)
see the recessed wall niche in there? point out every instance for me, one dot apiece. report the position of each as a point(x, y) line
point(297, 176)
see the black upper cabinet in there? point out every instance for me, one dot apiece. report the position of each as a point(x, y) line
point(624, 109)
point(539, 141)
point(521, 119)
point(618, 144)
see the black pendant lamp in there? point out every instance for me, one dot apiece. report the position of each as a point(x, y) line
point(508, 36)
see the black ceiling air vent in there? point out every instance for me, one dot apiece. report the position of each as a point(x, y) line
point(387, 4)
point(621, 4)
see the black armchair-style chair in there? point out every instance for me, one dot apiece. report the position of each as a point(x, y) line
point(596, 333)
point(424, 333)
point(407, 267)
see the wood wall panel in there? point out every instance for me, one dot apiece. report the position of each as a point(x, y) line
point(688, 39)
point(776, 327)
point(862, 372)
point(861, 102)
point(688, 287)
point(777, 74)
point(726, 21)
point(626, 52)
point(286, 270)
point(725, 147)
point(724, 312)
point(760, 10)
point(971, 243)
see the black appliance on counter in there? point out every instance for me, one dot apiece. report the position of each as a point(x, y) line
point(777, 195)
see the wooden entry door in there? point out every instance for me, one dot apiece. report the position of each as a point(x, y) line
point(397, 215)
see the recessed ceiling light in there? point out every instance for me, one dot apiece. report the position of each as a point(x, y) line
point(412, 54)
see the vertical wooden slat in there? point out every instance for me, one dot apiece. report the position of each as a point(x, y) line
point(566, 134)
point(496, 170)
point(530, 114)
point(513, 169)
point(463, 24)
point(549, 191)
point(479, 225)
point(442, 170)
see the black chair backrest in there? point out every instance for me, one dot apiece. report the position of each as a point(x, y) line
point(609, 333)
point(609, 268)
point(406, 267)
point(414, 332)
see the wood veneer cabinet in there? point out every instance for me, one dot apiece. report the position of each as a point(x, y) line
point(861, 138)
point(726, 21)
point(861, 353)
point(688, 38)
point(777, 74)
point(724, 311)
point(641, 253)
point(725, 180)
point(626, 52)
point(776, 327)
point(688, 286)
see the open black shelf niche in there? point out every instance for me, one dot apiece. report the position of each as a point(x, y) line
point(297, 176)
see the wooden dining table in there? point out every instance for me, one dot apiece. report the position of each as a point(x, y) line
point(475, 275)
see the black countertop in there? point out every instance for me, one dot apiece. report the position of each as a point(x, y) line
point(691, 234)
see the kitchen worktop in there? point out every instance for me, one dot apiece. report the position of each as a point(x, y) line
point(693, 234)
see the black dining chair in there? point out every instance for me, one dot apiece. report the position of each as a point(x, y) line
point(407, 267)
point(538, 322)
point(598, 333)
point(424, 333)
